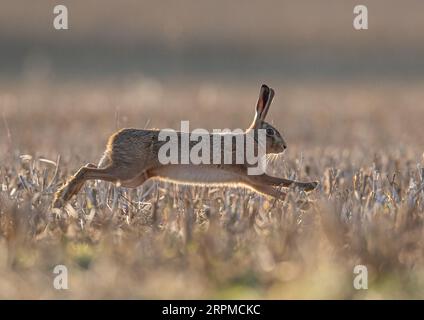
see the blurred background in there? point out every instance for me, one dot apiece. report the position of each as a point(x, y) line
point(233, 39)
point(144, 63)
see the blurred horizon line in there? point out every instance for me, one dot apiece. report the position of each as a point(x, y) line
point(157, 60)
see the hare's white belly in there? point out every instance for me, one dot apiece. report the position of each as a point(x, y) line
point(197, 174)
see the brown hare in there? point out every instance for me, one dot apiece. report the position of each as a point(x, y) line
point(131, 157)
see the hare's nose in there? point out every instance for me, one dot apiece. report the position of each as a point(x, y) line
point(284, 146)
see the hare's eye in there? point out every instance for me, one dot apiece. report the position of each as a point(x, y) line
point(270, 132)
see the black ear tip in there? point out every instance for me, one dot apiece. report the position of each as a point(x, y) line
point(265, 89)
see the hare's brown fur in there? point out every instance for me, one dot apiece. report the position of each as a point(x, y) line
point(131, 157)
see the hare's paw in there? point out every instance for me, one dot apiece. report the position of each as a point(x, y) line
point(314, 185)
point(66, 192)
point(308, 186)
point(58, 200)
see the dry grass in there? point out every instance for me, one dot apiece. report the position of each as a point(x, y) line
point(362, 141)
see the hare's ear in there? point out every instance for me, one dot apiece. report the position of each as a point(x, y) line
point(264, 102)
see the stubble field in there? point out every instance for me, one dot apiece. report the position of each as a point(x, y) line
point(362, 141)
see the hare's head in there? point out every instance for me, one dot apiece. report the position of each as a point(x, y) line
point(274, 141)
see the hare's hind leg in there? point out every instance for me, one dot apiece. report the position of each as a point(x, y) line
point(73, 185)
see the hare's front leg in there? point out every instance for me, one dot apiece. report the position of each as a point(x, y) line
point(269, 190)
point(73, 185)
point(281, 182)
